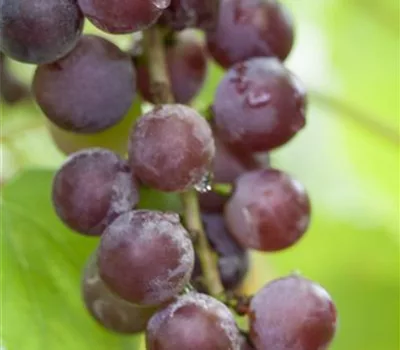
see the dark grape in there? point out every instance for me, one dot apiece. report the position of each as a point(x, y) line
point(259, 105)
point(146, 257)
point(110, 311)
point(233, 260)
point(11, 89)
point(39, 31)
point(171, 148)
point(183, 14)
point(91, 189)
point(123, 16)
point(292, 313)
point(187, 67)
point(248, 29)
point(88, 90)
point(227, 165)
point(268, 210)
point(194, 321)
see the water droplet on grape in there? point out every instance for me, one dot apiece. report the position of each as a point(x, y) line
point(162, 4)
point(204, 185)
point(258, 97)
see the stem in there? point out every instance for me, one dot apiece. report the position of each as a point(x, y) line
point(161, 90)
point(223, 189)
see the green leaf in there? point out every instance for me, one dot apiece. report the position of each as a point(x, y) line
point(40, 275)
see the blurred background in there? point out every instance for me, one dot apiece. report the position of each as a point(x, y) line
point(348, 54)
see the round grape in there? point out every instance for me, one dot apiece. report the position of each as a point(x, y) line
point(233, 260)
point(292, 313)
point(228, 164)
point(194, 321)
point(187, 67)
point(259, 105)
point(89, 90)
point(171, 148)
point(123, 16)
point(39, 31)
point(183, 14)
point(106, 308)
point(146, 257)
point(268, 210)
point(248, 29)
point(91, 189)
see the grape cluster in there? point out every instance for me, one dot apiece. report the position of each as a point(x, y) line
point(178, 276)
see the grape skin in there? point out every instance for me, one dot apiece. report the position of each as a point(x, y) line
point(146, 257)
point(233, 260)
point(183, 14)
point(171, 148)
point(268, 210)
point(194, 321)
point(187, 68)
point(107, 309)
point(123, 16)
point(91, 189)
point(292, 313)
point(39, 31)
point(259, 105)
point(250, 28)
point(89, 90)
point(228, 164)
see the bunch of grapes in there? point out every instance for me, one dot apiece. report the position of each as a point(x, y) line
point(177, 276)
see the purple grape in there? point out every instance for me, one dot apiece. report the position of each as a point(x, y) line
point(248, 29)
point(123, 16)
point(292, 313)
point(171, 148)
point(89, 90)
point(268, 210)
point(227, 166)
point(146, 257)
point(183, 14)
point(233, 260)
point(187, 68)
point(39, 31)
point(107, 309)
point(259, 105)
point(91, 189)
point(194, 321)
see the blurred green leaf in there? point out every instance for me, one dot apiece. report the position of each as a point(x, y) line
point(40, 275)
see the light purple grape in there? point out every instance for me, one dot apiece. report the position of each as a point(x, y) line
point(89, 90)
point(259, 105)
point(250, 28)
point(268, 210)
point(292, 313)
point(146, 257)
point(194, 321)
point(92, 188)
point(39, 31)
point(171, 148)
